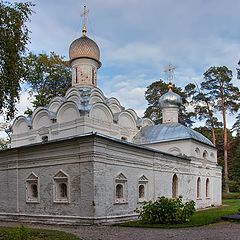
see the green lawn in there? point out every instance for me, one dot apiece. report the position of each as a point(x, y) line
point(24, 233)
point(199, 218)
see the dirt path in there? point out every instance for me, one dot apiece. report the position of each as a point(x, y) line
point(220, 231)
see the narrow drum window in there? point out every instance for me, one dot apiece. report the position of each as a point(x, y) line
point(207, 188)
point(93, 77)
point(174, 186)
point(198, 187)
point(76, 75)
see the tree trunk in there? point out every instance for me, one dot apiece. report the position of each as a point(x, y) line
point(212, 123)
point(225, 137)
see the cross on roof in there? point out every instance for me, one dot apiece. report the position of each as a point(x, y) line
point(84, 16)
point(170, 72)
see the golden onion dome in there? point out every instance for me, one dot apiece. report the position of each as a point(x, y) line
point(84, 47)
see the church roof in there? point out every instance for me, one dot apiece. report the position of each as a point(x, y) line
point(84, 47)
point(168, 132)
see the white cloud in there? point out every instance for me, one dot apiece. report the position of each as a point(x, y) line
point(139, 38)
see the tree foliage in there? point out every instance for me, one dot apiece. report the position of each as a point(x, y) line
point(4, 143)
point(14, 36)
point(204, 108)
point(153, 111)
point(218, 86)
point(47, 76)
point(217, 96)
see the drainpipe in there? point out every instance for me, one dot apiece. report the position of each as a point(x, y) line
point(17, 172)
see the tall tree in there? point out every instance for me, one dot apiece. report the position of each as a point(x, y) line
point(218, 86)
point(204, 107)
point(14, 36)
point(152, 95)
point(47, 76)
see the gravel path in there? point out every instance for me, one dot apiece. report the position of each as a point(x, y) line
point(219, 231)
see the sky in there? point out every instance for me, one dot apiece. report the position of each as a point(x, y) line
point(138, 39)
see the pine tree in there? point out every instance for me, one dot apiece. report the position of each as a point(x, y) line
point(219, 88)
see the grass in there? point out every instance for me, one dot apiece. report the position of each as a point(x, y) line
point(231, 195)
point(25, 233)
point(213, 215)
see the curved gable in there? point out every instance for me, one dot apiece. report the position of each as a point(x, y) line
point(53, 107)
point(115, 108)
point(41, 118)
point(74, 98)
point(68, 112)
point(113, 100)
point(102, 112)
point(134, 114)
point(147, 122)
point(20, 125)
point(95, 99)
point(72, 91)
point(96, 96)
point(127, 120)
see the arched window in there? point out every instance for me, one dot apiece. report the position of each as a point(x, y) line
point(207, 188)
point(142, 188)
point(32, 190)
point(174, 186)
point(119, 191)
point(198, 187)
point(205, 154)
point(63, 190)
point(141, 191)
point(61, 187)
point(197, 151)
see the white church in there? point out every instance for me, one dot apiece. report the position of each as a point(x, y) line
point(85, 159)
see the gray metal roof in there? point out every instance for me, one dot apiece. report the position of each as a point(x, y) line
point(168, 132)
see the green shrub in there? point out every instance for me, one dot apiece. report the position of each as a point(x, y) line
point(20, 233)
point(166, 211)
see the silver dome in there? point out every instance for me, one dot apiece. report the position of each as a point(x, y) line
point(168, 132)
point(170, 99)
